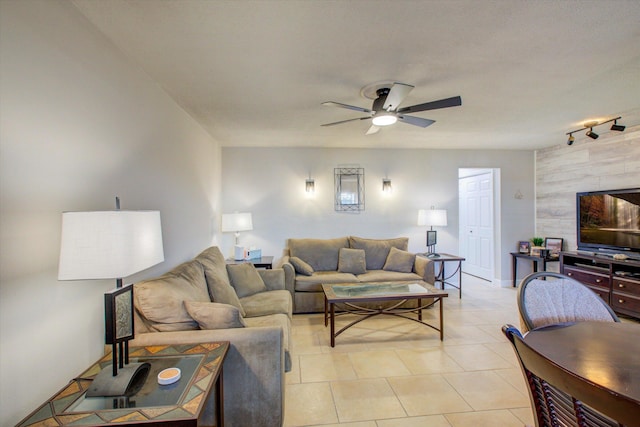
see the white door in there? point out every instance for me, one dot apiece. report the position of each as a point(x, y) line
point(476, 223)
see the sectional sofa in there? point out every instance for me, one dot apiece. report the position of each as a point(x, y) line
point(308, 263)
point(205, 300)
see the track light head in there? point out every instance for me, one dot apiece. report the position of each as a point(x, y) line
point(571, 139)
point(617, 127)
point(591, 134)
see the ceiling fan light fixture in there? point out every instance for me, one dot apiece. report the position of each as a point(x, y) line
point(384, 119)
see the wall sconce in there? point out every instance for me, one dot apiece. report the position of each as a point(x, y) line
point(590, 125)
point(310, 186)
point(386, 186)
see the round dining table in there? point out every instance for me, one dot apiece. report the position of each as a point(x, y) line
point(606, 354)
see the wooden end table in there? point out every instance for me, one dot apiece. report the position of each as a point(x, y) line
point(263, 262)
point(184, 403)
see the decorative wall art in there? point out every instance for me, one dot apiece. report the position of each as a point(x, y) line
point(349, 189)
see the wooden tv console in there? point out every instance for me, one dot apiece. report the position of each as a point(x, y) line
point(616, 281)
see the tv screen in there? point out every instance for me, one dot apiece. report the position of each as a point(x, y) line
point(609, 220)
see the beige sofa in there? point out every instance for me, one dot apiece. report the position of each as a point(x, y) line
point(308, 263)
point(205, 300)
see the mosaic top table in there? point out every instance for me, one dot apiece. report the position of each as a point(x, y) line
point(184, 403)
point(353, 295)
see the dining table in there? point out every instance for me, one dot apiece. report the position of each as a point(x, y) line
point(605, 354)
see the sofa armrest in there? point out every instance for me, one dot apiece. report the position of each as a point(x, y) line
point(254, 377)
point(425, 268)
point(289, 274)
point(273, 279)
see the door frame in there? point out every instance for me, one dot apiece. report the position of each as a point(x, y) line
point(496, 211)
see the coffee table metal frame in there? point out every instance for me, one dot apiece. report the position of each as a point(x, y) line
point(350, 304)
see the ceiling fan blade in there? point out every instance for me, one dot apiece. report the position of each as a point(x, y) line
point(345, 121)
point(416, 121)
point(433, 105)
point(373, 129)
point(347, 106)
point(397, 94)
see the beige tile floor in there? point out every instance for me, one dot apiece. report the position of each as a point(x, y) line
point(388, 372)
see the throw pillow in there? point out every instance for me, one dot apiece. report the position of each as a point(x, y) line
point(398, 260)
point(300, 266)
point(212, 315)
point(215, 272)
point(245, 279)
point(352, 261)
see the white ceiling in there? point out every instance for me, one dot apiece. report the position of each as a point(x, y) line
point(254, 73)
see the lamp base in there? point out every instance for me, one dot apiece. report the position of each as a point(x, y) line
point(129, 380)
point(433, 255)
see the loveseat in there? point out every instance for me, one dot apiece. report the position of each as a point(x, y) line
point(205, 300)
point(308, 263)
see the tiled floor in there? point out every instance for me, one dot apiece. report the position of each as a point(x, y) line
point(388, 372)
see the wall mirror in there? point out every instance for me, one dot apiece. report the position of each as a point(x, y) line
point(349, 189)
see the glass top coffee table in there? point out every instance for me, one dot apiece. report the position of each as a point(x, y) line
point(351, 296)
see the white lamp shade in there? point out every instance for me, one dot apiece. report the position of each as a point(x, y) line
point(432, 217)
point(236, 222)
point(109, 244)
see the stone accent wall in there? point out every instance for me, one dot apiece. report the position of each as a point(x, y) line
point(610, 162)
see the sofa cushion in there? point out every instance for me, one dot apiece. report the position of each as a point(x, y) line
point(320, 254)
point(265, 303)
point(215, 272)
point(245, 279)
point(213, 315)
point(401, 261)
point(352, 261)
point(281, 320)
point(161, 300)
point(300, 266)
point(314, 282)
point(377, 250)
point(387, 276)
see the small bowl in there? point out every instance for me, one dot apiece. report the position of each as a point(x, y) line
point(168, 376)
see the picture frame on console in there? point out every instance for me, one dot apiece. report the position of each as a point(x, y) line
point(554, 245)
point(524, 246)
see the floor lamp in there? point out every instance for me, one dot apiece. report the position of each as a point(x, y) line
point(112, 245)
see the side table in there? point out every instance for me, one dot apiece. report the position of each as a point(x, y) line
point(441, 275)
point(264, 262)
point(534, 259)
point(188, 402)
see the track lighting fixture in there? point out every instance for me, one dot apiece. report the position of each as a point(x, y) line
point(617, 127)
point(590, 125)
point(592, 134)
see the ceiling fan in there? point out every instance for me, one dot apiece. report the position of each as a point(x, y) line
point(385, 109)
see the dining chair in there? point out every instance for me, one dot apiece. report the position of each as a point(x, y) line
point(560, 398)
point(563, 299)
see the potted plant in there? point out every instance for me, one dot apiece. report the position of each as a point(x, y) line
point(537, 243)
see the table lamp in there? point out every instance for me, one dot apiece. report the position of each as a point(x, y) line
point(237, 222)
point(433, 218)
point(112, 245)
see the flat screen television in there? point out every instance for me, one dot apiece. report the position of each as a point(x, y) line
point(609, 221)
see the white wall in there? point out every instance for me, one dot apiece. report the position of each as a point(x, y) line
point(270, 183)
point(79, 125)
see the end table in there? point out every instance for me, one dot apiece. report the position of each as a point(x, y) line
point(184, 403)
point(263, 262)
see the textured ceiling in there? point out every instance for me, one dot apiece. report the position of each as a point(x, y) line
point(254, 73)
